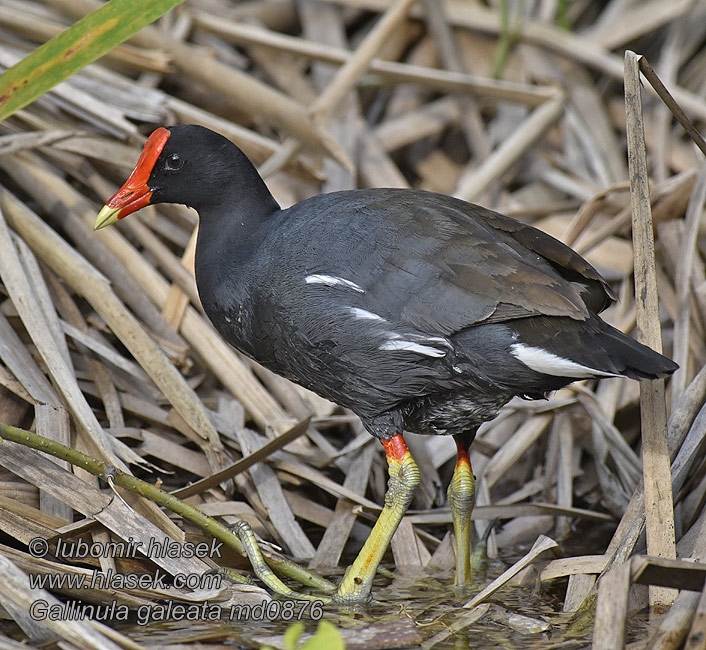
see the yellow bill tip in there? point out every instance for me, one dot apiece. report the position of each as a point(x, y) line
point(106, 217)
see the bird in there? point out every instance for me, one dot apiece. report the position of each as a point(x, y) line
point(417, 311)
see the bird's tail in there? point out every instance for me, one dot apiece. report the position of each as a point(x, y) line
point(633, 359)
point(593, 344)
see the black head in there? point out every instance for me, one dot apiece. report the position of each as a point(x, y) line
point(187, 164)
point(194, 166)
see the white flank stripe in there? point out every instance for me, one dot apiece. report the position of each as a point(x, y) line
point(540, 360)
point(438, 339)
point(332, 281)
point(397, 344)
point(365, 314)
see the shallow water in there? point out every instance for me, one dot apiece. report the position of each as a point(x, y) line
point(409, 611)
point(421, 610)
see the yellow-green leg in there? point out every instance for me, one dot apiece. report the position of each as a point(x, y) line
point(460, 494)
point(404, 478)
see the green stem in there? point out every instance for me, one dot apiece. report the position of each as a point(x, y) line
point(297, 572)
point(160, 497)
point(506, 40)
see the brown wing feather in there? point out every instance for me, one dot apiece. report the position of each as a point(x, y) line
point(566, 260)
point(454, 265)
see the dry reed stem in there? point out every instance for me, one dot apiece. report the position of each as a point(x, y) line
point(23, 296)
point(659, 507)
point(87, 282)
point(682, 280)
point(405, 122)
point(512, 148)
point(342, 82)
point(240, 466)
point(541, 546)
point(18, 597)
point(670, 102)
point(567, 44)
point(389, 71)
point(613, 597)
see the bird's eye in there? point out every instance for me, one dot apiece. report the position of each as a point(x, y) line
point(174, 162)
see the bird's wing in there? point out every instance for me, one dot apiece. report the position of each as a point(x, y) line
point(448, 265)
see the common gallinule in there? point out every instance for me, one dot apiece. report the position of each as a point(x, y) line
point(417, 311)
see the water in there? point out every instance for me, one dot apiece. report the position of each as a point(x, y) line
point(410, 612)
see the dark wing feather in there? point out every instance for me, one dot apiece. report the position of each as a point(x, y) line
point(447, 265)
point(598, 295)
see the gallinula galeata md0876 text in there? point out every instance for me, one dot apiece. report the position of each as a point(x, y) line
point(418, 311)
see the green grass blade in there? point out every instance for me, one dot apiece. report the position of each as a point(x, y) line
point(79, 45)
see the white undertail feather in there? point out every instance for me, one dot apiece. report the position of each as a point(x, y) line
point(543, 361)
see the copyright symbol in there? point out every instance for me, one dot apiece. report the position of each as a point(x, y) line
point(38, 547)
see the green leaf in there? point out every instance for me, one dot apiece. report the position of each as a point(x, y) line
point(81, 44)
point(292, 634)
point(327, 637)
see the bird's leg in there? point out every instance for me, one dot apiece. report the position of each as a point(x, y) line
point(460, 494)
point(404, 478)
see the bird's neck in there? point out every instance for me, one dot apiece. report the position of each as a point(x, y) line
point(232, 227)
point(233, 215)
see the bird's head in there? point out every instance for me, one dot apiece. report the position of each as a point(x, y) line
point(186, 164)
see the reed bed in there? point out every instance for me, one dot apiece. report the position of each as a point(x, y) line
point(535, 109)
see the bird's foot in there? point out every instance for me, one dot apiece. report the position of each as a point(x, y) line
point(264, 565)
